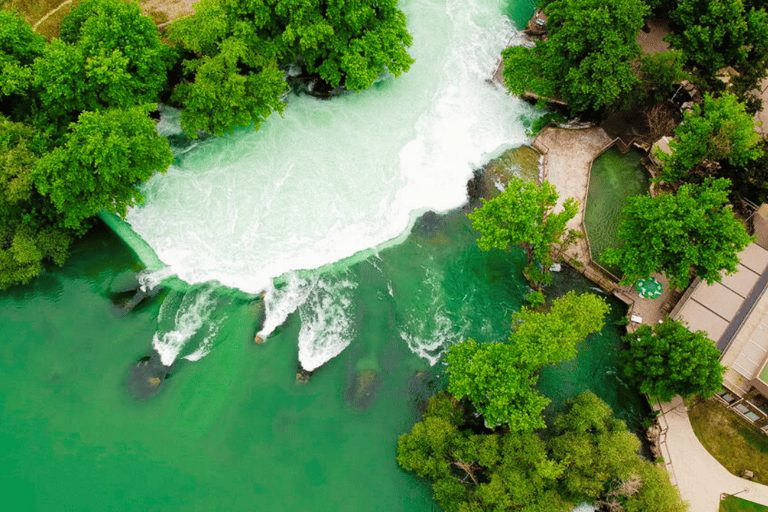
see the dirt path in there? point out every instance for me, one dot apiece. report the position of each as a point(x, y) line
point(41, 20)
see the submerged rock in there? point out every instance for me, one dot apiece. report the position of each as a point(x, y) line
point(362, 390)
point(147, 376)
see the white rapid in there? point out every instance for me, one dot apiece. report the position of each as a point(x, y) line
point(333, 178)
point(187, 321)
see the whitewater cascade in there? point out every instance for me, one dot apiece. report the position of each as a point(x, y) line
point(333, 178)
point(188, 319)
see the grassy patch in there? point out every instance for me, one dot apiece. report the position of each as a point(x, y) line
point(36, 10)
point(736, 504)
point(733, 441)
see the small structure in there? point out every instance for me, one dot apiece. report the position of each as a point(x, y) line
point(537, 26)
point(660, 146)
point(734, 313)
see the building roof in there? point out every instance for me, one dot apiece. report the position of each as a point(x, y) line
point(734, 313)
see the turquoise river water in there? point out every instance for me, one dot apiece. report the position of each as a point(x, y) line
point(345, 187)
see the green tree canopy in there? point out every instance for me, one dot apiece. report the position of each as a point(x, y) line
point(524, 214)
point(499, 378)
point(590, 456)
point(718, 130)
point(102, 159)
point(19, 47)
point(244, 49)
point(660, 72)
point(595, 448)
point(676, 233)
point(587, 57)
point(717, 33)
point(109, 56)
point(668, 360)
point(479, 472)
point(28, 236)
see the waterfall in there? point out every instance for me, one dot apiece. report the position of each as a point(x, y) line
point(332, 179)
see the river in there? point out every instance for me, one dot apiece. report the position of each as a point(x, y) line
point(329, 211)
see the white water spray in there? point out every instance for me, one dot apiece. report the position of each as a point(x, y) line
point(185, 316)
point(332, 178)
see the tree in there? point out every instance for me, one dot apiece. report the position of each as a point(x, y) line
point(676, 233)
point(660, 72)
point(548, 337)
point(523, 214)
point(713, 34)
point(244, 49)
point(656, 494)
point(499, 378)
point(19, 47)
point(668, 360)
point(493, 379)
point(28, 234)
point(101, 160)
point(587, 57)
point(595, 448)
point(109, 56)
point(720, 130)
point(479, 472)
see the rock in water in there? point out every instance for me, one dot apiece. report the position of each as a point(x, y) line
point(147, 376)
point(362, 390)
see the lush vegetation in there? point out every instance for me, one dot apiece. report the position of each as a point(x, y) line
point(523, 214)
point(713, 34)
point(667, 360)
point(499, 378)
point(234, 73)
point(690, 231)
point(718, 130)
point(587, 57)
point(588, 456)
point(75, 133)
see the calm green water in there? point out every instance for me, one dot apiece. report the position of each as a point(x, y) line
point(615, 177)
point(234, 431)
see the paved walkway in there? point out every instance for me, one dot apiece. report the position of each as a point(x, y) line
point(700, 478)
point(568, 156)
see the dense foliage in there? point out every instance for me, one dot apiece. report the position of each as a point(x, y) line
point(102, 157)
point(587, 57)
point(19, 47)
point(499, 378)
point(718, 130)
point(589, 456)
point(692, 230)
point(717, 33)
point(29, 232)
point(77, 137)
point(668, 360)
point(523, 214)
point(108, 56)
point(241, 51)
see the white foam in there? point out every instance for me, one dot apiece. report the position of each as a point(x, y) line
point(336, 177)
point(428, 330)
point(191, 317)
point(326, 322)
point(281, 302)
